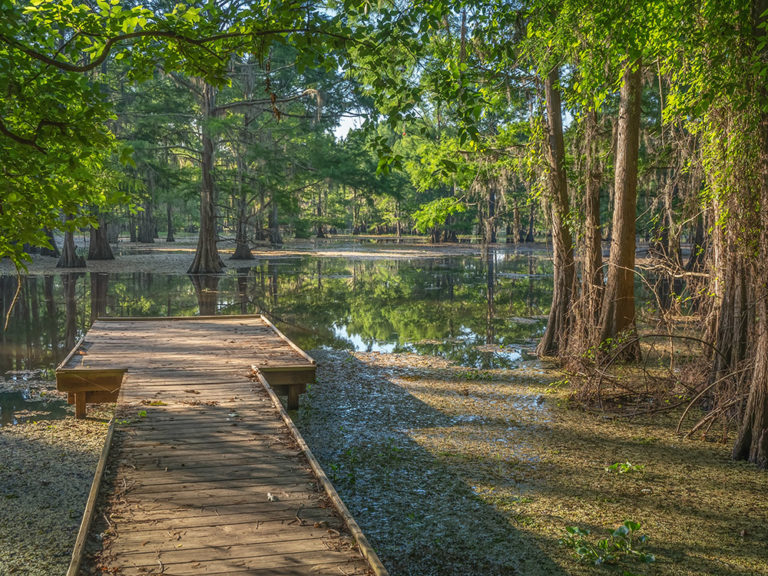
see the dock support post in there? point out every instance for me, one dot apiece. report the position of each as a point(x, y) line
point(293, 397)
point(80, 405)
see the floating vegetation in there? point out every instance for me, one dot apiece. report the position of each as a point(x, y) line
point(483, 475)
point(46, 470)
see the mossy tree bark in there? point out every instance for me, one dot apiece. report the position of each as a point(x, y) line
point(752, 442)
point(617, 316)
point(592, 279)
point(556, 334)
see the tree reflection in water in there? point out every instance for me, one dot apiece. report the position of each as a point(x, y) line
point(469, 309)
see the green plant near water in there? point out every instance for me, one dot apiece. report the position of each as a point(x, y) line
point(474, 375)
point(624, 544)
point(556, 385)
point(625, 467)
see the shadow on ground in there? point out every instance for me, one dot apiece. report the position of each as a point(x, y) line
point(421, 517)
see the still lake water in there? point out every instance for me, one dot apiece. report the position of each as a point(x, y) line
point(479, 311)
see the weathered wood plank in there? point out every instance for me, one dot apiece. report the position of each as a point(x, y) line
point(190, 538)
point(287, 568)
point(206, 477)
point(210, 473)
point(263, 554)
point(167, 517)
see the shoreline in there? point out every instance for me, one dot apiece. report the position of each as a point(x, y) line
point(176, 257)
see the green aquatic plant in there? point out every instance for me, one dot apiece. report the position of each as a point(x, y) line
point(625, 467)
point(624, 543)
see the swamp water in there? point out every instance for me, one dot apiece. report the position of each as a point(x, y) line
point(477, 312)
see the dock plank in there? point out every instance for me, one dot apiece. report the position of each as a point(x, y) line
point(205, 476)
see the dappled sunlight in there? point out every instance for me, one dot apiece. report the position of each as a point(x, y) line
point(411, 441)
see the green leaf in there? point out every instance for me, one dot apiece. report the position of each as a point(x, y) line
point(620, 532)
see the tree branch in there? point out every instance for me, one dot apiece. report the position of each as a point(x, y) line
point(235, 106)
point(31, 141)
point(111, 42)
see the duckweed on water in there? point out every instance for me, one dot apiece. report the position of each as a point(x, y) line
point(46, 470)
point(455, 475)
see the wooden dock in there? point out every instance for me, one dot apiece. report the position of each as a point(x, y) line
point(208, 475)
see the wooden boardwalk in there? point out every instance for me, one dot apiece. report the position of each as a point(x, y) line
point(207, 476)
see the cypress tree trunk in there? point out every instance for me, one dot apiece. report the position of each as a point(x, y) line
point(531, 219)
point(732, 321)
point(593, 261)
point(274, 224)
point(146, 233)
point(592, 280)
point(169, 222)
point(69, 257)
point(99, 248)
point(490, 219)
point(242, 248)
point(752, 442)
point(398, 224)
point(207, 260)
point(556, 334)
point(131, 228)
point(617, 315)
point(320, 233)
point(113, 231)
